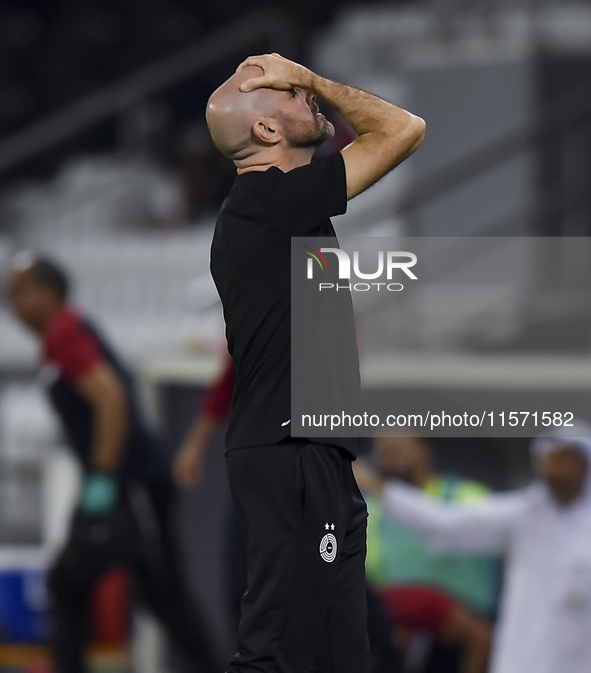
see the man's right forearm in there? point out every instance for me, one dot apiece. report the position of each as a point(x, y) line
point(365, 112)
point(387, 134)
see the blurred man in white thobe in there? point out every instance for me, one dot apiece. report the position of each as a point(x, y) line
point(544, 531)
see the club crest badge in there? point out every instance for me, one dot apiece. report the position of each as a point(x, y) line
point(328, 545)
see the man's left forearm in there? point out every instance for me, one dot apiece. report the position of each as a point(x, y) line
point(106, 396)
point(110, 427)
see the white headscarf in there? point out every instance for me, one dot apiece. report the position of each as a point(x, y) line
point(578, 436)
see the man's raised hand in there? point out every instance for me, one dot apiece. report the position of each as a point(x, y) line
point(278, 73)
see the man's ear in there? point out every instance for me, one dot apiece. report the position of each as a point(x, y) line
point(267, 131)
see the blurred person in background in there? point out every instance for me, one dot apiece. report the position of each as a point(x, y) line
point(544, 531)
point(214, 410)
point(445, 596)
point(206, 176)
point(123, 514)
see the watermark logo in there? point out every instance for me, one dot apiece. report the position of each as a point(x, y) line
point(388, 263)
point(314, 254)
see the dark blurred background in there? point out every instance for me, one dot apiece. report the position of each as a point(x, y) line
point(55, 53)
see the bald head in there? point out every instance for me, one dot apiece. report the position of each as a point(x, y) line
point(265, 126)
point(231, 113)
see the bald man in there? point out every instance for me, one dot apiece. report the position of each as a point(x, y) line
point(302, 514)
point(123, 514)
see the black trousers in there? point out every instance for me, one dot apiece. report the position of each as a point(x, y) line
point(304, 520)
point(137, 535)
